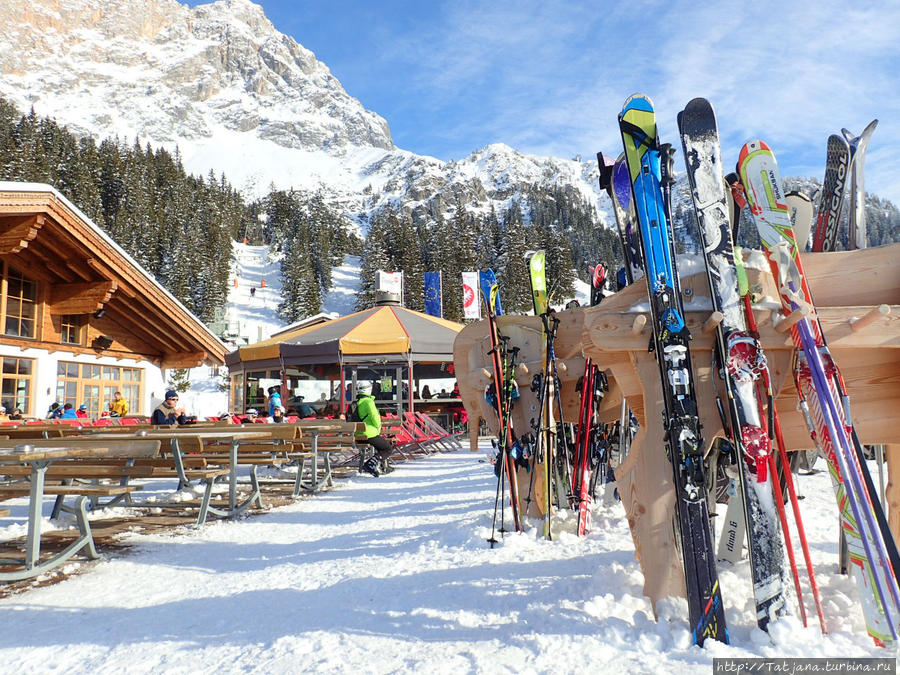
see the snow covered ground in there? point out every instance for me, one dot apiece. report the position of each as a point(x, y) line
point(394, 575)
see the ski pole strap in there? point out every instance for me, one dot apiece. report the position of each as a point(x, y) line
point(638, 134)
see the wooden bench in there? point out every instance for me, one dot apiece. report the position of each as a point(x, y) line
point(39, 455)
point(92, 464)
point(304, 442)
point(328, 438)
point(23, 490)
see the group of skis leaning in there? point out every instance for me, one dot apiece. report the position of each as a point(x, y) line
point(566, 460)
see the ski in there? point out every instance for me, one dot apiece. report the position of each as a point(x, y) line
point(537, 266)
point(502, 390)
point(739, 355)
point(820, 387)
point(614, 179)
point(650, 174)
point(857, 236)
point(802, 213)
point(828, 217)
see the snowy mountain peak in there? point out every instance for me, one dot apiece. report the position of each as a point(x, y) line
point(167, 73)
point(239, 98)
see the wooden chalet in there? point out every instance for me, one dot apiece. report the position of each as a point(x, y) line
point(80, 318)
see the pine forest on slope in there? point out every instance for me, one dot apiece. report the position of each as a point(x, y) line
point(137, 194)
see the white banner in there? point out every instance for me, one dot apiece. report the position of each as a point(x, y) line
point(389, 282)
point(471, 301)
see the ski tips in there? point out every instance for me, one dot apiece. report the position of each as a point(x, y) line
point(638, 102)
point(855, 140)
point(756, 145)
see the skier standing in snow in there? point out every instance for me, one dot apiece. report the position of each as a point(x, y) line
point(367, 413)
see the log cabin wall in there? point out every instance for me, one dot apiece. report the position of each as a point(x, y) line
point(79, 318)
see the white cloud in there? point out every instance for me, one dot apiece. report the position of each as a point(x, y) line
point(550, 77)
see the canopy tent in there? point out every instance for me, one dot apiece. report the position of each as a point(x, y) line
point(386, 334)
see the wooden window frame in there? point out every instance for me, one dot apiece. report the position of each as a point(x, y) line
point(27, 408)
point(4, 304)
point(77, 324)
point(83, 379)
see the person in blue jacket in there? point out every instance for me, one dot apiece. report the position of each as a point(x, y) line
point(274, 400)
point(69, 412)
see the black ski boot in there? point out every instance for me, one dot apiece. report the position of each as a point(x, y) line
point(371, 466)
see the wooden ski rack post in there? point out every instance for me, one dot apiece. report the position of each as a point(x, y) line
point(869, 318)
point(793, 318)
point(710, 325)
point(637, 326)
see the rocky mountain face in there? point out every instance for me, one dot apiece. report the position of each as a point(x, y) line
point(240, 98)
point(169, 73)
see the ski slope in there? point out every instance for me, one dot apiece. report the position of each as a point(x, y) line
point(251, 314)
point(395, 575)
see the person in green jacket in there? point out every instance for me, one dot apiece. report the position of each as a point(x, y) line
point(367, 413)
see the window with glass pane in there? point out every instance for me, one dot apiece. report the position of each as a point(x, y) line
point(132, 394)
point(71, 329)
point(67, 392)
point(90, 396)
point(237, 387)
point(95, 386)
point(16, 385)
point(69, 370)
point(21, 306)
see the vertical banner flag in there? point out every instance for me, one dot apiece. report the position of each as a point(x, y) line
point(471, 301)
point(433, 301)
point(488, 279)
point(389, 282)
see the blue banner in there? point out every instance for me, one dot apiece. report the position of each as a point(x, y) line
point(433, 303)
point(488, 279)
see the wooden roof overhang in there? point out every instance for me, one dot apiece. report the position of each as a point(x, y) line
point(52, 241)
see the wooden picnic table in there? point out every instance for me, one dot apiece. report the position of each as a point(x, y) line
point(39, 458)
point(233, 437)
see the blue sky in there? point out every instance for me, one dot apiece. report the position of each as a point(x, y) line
point(549, 77)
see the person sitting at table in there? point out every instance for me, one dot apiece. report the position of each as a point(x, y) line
point(16, 414)
point(82, 411)
point(304, 409)
point(367, 412)
point(55, 411)
point(443, 394)
point(426, 392)
point(3, 416)
point(167, 412)
point(455, 392)
point(251, 414)
point(118, 407)
point(68, 412)
point(278, 414)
